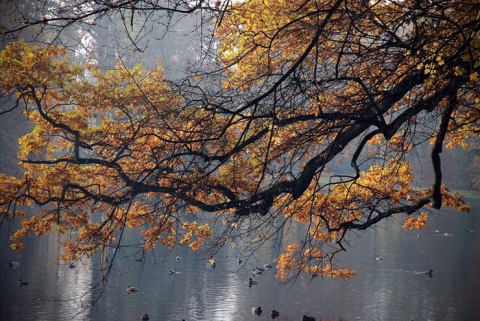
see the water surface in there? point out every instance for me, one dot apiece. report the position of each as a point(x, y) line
point(393, 288)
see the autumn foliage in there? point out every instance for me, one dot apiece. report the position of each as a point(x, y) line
point(304, 84)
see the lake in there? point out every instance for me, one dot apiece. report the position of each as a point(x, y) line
point(393, 288)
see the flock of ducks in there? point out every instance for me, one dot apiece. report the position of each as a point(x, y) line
point(427, 273)
point(275, 314)
point(22, 282)
point(212, 264)
point(256, 272)
point(131, 289)
point(258, 311)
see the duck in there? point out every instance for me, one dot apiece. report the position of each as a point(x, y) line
point(173, 271)
point(267, 266)
point(13, 264)
point(256, 272)
point(178, 258)
point(239, 260)
point(307, 318)
point(251, 282)
point(211, 263)
point(257, 310)
point(72, 265)
point(274, 314)
point(22, 282)
point(429, 273)
point(131, 289)
point(145, 317)
point(378, 258)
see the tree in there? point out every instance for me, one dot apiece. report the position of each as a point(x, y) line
point(240, 149)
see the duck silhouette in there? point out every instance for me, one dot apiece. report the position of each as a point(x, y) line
point(257, 310)
point(274, 314)
point(211, 263)
point(257, 272)
point(429, 273)
point(307, 318)
point(22, 282)
point(145, 317)
point(131, 289)
point(251, 282)
point(13, 264)
point(72, 265)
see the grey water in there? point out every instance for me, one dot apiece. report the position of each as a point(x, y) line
point(391, 283)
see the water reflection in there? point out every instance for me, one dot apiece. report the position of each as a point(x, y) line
point(393, 288)
point(54, 289)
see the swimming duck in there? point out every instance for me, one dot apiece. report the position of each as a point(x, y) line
point(13, 264)
point(211, 263)
point(378, 258)
point(274, 314)
point(173, 271)
point(72, 265)
point(239, 260)
point(145, 317)
point(178, 258)
point(131, 289)
point(256, 272)
point(251, 282)
point(22, 282)
point(267, 266)
point(429, 273)
point(260, 269)
point(306, 318)
point(257, 310)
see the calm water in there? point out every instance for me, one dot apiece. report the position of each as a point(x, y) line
point(391, 289)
